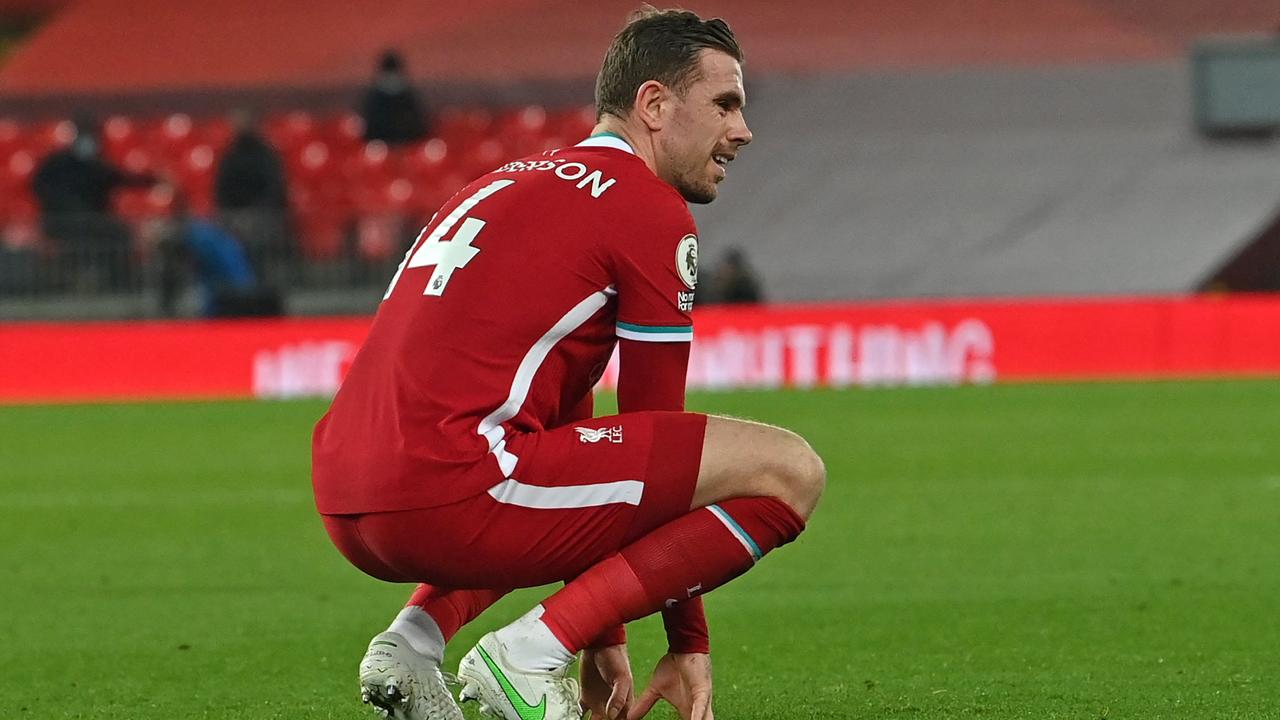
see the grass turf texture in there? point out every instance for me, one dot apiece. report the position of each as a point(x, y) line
point(1096, 551)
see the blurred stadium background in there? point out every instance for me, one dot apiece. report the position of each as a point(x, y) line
point(905, 149)
point(939, 193)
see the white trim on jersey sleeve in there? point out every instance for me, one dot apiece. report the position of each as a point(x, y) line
point(491, 427)
point(514, 492)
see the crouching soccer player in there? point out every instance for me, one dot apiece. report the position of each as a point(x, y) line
point(461, 452)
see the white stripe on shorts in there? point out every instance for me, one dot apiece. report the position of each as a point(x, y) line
point(514, 492)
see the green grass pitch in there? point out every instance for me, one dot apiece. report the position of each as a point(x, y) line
point(1057, 551)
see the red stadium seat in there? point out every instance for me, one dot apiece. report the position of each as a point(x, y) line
point(178, 127)
point(131, 204)
point(427, 160)
point(15, 175)
point(367, 173)
point(399, 193)
point(433, 194)
point(8, 203)
point(333, 174)
point(310, 163)
point(119, 135)
point(528, 119)
point(372, 158)
point(344, 130)
point(10, 136)
point(140, 160)
point(17, 235)
point(573, 124)
point(19, 224)
point(198, 162)
point(136, 205)
point(522, 132)
point(483, 157)
point(374, 195)
point(216, 132)
point(45, 137)
point(461, 126)
point(195, 178)
point(176, 135)
point(553, 142)
point(321, 235)
point(378, 236)
point(290, 131)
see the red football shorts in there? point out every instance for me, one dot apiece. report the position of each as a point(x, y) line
point(578, 494)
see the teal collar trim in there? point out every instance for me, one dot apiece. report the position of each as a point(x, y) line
point(609, 140)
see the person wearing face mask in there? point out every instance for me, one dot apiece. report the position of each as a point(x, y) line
point(73, 187)
point(252, 199)
point(392, 111)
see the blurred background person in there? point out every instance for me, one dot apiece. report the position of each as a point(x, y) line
point(392, 111)
point(734, 281)
point(73, 188)
point(227, 283)
point(252, 198)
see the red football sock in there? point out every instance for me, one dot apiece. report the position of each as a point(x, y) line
point(451, 609)
point(686, 557)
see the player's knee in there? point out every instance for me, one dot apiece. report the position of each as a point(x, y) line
point(808, 478)
point(746, 459)
point(799, 475)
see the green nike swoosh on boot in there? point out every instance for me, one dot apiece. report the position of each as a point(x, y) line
point(523, 708)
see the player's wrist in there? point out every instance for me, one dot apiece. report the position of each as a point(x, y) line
point(686, 626)
point(689, 648)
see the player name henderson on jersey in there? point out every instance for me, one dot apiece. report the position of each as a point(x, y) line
point(584, 177)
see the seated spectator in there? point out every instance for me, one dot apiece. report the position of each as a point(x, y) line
point(734, 281)
point(392, 112)
point(73, 187)
point(252, 199)
point(228, 284)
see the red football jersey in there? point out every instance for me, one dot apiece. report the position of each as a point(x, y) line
point(500, 320)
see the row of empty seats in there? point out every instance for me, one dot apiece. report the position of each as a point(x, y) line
point(334, 177)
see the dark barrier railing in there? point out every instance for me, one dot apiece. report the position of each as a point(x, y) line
point(91, 265)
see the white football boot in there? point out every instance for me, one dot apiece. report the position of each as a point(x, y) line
point(508, 693)
point(400, 683)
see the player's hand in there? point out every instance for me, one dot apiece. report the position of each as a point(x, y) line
point(607, 686)
point(684, 680)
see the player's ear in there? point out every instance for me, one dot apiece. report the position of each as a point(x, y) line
point(650, 100)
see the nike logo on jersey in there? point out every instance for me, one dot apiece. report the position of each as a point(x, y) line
point(595, 435)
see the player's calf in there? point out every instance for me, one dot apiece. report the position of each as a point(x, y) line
point(683, 559)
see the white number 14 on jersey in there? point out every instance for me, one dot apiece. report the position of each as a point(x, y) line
point(447, 256)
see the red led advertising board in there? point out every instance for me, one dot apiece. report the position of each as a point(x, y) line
point(809, 345)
